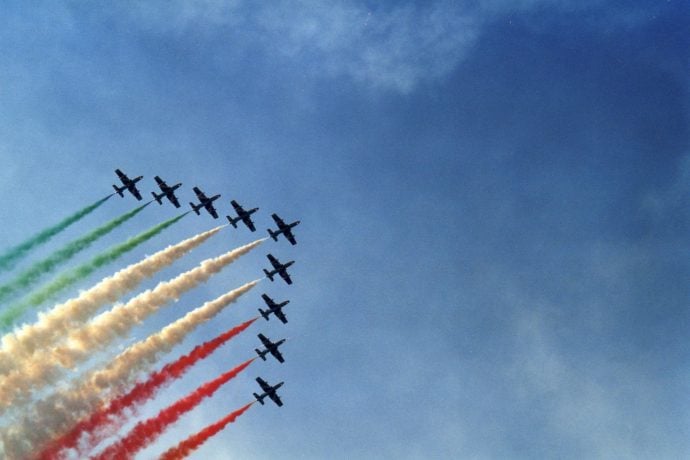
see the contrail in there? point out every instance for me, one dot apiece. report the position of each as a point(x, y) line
point(144, 433)
point(20, 345)
point(9, 258)
point(46, 367)
point(192, 443)
point(62, 282)
point(32, 274)
point(101, 423)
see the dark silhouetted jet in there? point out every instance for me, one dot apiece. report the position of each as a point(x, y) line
point(269, 391)
point(168, 192)
point(271, 348)
point(204, 202)
point(242, 215)
point(278, 268)
point(275, 308)
point(285, 229)
point(128, 184)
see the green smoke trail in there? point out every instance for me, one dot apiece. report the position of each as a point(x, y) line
point(13, 255)
point(31, 275)
point(10, 316)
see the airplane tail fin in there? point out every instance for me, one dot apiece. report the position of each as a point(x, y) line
point(273, 234)
point(232, 221)
point(195, 208)
point(158, 197)
point(264, 314)
point(261, 355)
point(119, 190)
point(259, 398)
point(269, 275)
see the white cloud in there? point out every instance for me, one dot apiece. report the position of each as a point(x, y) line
point(391, 49)
point(396, 47)
point(589, 407)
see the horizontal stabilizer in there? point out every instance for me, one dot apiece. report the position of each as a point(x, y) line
point(119, 190)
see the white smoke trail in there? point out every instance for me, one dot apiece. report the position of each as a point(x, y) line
point(18, 346)
point(46, 367)
point(58, 413)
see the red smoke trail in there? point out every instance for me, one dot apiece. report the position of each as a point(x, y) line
point(144, 433)
point(195, 441)
point(99, 421)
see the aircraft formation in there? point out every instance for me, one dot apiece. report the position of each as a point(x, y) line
point(52, 406)
point(206, 203)
point(277, 268)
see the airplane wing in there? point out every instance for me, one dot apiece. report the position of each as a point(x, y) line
point(135, 191)
point(211, 209)
point(123, 177)
point(276, 399)
point(173, 199)
point(200, 194)
point(161, 183)
point(267, 343)
point(290, 237)
point(278, 355)
point(267, 299)
point(249, 223)
point(238, 209)
point(263, 384)
point(280, 315)
point(273, 261)
point(284, 274)
point(278, 220)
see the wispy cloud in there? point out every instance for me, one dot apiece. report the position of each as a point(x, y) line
point(394, 47)
point(602, 409)
point(397, 48)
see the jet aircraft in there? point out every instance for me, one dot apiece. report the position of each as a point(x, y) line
point(242, 215)
point(271, 348)
point(128, 184)
point(285, 229)
point(269, 391)
point(204, 202)
point(278, 268)
point(168, 192)
point(275, 308)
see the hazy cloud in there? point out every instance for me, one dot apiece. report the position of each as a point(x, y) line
point(601, 409)
point(393, 47)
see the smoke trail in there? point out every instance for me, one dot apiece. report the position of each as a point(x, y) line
point(46, 367)
point(19, 346)
point(33, 273)
point(192, 443)
point(62, 282)
point(9, 258)
point(144, 433)
point(102, 422)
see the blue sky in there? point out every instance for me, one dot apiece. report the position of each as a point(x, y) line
point(493, 195)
